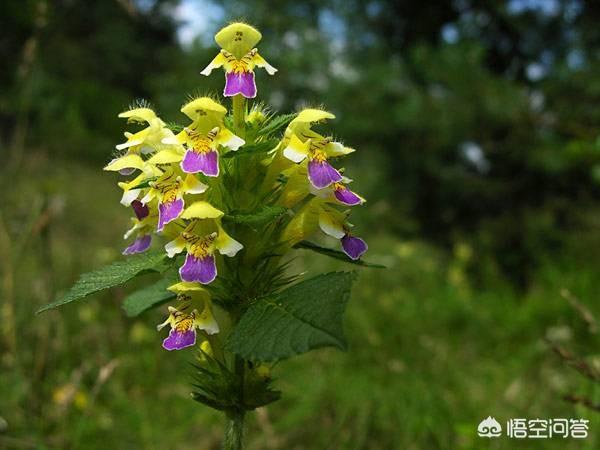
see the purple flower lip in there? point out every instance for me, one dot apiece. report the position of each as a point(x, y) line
point(179, 339)
point(127, 171)
point(346, 196)
point(205, 162)
point(240, 83)
point(354, 246)
point(141, 211)
point(169, 211)
point(202, 270)
point(141, 244)
point(322, 174)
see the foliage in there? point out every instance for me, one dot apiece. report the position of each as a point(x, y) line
point(303, 317)
point(149, 296)
point(110, 276)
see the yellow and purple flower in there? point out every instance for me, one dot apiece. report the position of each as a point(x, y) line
point(142, 225)
point(202, 139)
point(340, 192)
point(334, 224)
point(302, 143)
point(184, 325)
point(320, 173)
point(238, 58)
point(201, 243)
point(145, 142)
point(170, 188)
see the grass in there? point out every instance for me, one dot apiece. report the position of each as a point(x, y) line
point(429, 357)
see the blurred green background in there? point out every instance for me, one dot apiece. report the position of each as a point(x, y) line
point(476, 124)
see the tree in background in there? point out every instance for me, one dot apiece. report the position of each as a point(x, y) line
point(480, 115)
point(72, 69)
point(484, 112)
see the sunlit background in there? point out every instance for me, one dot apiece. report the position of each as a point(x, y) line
point(476, 125)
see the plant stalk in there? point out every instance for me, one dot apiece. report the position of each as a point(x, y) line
point(234, 428)
point(239, 122)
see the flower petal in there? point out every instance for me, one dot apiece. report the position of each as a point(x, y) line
point(141, 211)
point(205, 162)
point(184, 286)
point(192, 185)
point(354, 246)
point(238, 38)
point(346, 196)
point(226, 244)
point(227, 139)
point(259, 61)
point(141, 244)
point(296, 150)
point(138, 115)
point(175, 246)
point(126, 172)
point(240, 83)
point(167, 212)
point(130, 161)
point(202, 210)
point(202, 107)
point(206, 320)
point(338, 149)
point(330, 226)
point(311, 115)
point(167, 156)
point(322, 174)
point(217, 62)
point(129, 196)
point(179, 339)
point(202, 270)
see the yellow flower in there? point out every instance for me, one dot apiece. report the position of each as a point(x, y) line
point(145, 142)
point(238, 58)
point(202, 139)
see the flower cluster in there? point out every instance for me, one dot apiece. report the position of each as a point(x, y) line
point(186, 183)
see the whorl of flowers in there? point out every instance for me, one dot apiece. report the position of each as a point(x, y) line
point(196, 185)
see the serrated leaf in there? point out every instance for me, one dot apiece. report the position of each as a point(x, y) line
point(276, 124)
point(150, 296)
point(306, 316)
point(258, 218)
point(252, 149)
point(109, 276)
point(336, 254)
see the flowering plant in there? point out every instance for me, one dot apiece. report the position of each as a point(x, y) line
point(232, 194)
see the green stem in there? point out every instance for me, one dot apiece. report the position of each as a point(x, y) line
point(234, 429)
point(239, 122)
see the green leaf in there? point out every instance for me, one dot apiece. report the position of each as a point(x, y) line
point(112, 275)
point(305, 316)
point(336, 254)
point(276, 124)
point(258, 218)
point(252, 149)
point(150, 296)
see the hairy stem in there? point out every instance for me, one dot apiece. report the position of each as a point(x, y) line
point(234, 431)
point(239, 106)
